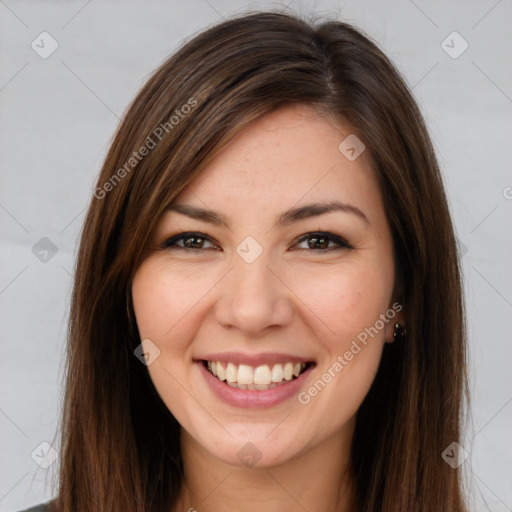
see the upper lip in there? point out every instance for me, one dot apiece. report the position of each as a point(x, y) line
point(254, 359)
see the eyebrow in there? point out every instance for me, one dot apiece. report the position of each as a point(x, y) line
point(286, 218)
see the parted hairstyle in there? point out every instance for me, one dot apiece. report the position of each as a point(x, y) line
point(120, 444)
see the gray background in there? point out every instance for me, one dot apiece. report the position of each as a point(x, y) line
point(58, 116)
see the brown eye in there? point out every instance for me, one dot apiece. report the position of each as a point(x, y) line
point(322, 242)
point(318, 242)
point(193, 242)
point(189, 241)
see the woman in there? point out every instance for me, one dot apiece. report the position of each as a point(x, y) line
point(267, 311)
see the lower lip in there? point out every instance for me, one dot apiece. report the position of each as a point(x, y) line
point(248, 398)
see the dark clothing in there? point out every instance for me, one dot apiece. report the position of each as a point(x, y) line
point(38, 508)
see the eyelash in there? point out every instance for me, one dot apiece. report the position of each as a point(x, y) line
point(341, 243)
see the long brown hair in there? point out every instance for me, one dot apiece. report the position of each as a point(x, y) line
point(120, 444)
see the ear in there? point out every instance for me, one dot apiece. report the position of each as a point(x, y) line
point(399, 318)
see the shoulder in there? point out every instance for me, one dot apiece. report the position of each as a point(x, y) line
point(43, 507)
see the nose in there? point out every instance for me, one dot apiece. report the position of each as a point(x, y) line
point(253, 298)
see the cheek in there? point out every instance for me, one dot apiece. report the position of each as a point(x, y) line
point(345, 301)
point(165, 301)
point(166, 305)
point(344, 305)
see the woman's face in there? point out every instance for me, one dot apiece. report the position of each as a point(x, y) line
point(276, 260)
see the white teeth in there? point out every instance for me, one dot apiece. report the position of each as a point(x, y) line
point(231, 372)
point(260, 378)
point(288, 371)
point(245, 374)
point(262, 375)
point(277, 373)
point(221, 375)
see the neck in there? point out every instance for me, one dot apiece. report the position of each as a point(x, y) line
point(318, 479)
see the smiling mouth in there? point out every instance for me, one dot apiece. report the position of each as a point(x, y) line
point(259, 378)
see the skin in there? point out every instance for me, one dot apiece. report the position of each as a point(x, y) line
point(308, 302)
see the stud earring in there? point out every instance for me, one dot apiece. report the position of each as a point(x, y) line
point(399, 332)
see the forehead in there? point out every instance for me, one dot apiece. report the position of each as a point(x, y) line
point(283, 158)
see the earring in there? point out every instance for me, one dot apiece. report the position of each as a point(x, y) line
point(399, 332)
